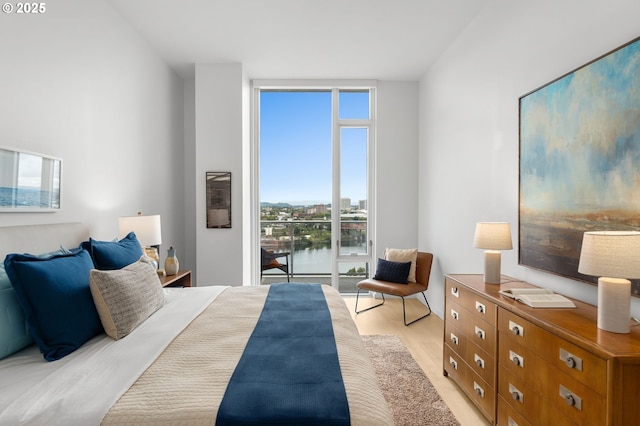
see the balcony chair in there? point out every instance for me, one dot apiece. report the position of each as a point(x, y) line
point(423, 271)
point(269, 260)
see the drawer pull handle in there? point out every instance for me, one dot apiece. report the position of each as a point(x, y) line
point(571, 363)
point(454, 314)
point(478, 389)
point(454, 339)
point(455, 292)
point(570, 360)
point(516, 394)
point(479, 361)
point(511, 422)
point(480, 307)
point(453, 363)
point(517, 360)
point(480, 333)
point(570, 398)
point(516, 329)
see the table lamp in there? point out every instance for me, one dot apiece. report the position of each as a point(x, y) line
point(614, 257)
point(493, 237)
point(148, 230)
point(218, 218)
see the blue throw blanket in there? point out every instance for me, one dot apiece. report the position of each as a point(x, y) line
point(289, 373)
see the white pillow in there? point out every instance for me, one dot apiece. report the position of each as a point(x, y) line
point(400, 255)
point(126, 297)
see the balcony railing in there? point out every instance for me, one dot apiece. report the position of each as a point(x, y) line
point(309, 242)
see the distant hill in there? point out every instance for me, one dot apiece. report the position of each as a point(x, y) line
point(301, 204)
point(277, 205)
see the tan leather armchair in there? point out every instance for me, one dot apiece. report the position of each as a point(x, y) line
point(423, 272)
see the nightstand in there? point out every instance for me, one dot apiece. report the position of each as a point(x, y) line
point(181, 279)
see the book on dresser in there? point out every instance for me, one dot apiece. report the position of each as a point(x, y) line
point(538, 297)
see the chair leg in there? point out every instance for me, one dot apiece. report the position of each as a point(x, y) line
point(404, 312)
point(370, 307)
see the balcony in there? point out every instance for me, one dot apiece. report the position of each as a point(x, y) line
point(309, 242)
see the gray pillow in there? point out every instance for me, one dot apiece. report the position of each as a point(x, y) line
point(126, 297)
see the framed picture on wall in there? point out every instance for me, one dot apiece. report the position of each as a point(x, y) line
point(29, 182)
point(580, 161)
point(218, 199)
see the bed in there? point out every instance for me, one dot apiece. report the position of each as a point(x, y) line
point(207, 355)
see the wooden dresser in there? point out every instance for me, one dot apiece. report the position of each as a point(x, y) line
point(524, 366)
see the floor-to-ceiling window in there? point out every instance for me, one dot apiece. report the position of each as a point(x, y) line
point(314, 172)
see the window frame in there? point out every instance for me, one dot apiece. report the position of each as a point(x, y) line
point(335, 86)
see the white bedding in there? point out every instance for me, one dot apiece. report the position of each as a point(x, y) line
point(96, 375)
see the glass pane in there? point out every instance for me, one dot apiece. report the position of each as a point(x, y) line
point(296, 180)
point(353, 104)
point(353, 191)
point(350, 274)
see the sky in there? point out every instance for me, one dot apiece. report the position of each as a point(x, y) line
point(295, 147)
point(580, 138)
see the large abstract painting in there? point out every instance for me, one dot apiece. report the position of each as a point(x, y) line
point(580, 161)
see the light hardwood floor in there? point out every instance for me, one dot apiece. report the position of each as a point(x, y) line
point(424, 340)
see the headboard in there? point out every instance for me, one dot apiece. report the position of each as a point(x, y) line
point(41, 238)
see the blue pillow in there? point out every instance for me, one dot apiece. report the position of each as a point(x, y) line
point(395, 272)
point(56, 298)
point(109, 255)
point(14, 330)
point(14, 334)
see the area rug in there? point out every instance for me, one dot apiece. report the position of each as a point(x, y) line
point(411, 397)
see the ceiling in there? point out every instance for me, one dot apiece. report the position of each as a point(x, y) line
point(354, 39)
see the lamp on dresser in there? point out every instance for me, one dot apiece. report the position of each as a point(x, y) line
point(614, 257)
point(148, 230)
point(493, 237)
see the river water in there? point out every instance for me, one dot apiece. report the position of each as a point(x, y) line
point(317, 258)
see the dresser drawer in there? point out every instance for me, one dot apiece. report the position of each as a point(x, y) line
point(453, 364)
point(508, 416)
point(574, 399)
point(518, 394)
point(482, 362)
point(480, 306)
point(477, 331)
point(576, 362)
point(548, 415)
point(480, 392)
point(520, 361)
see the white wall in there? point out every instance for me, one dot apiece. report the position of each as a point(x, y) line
point(469, 122)
point(78, 83)
point(219, 136)
point(397, 166)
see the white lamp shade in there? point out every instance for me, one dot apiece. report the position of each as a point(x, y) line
point(613, 254)
point(493, 236)
point(148, 229)
point(218, 217)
